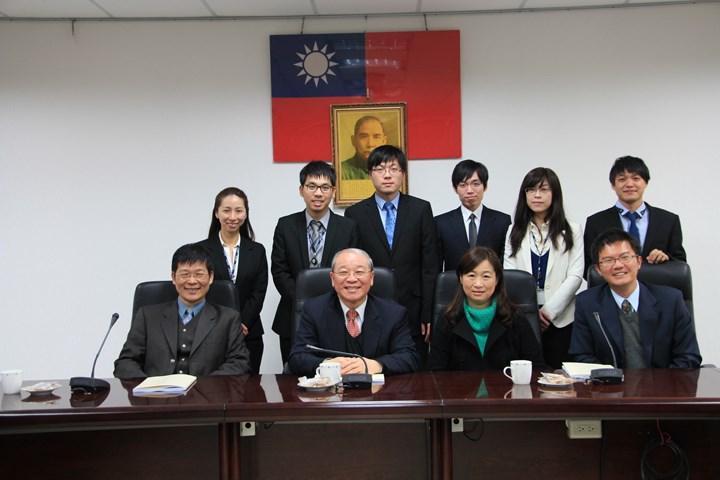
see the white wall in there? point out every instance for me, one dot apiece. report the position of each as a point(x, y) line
point(114, 141)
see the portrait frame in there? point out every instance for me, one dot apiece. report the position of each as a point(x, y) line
point(353, 182)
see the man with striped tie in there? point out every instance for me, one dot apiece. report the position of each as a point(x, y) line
point(351, 320)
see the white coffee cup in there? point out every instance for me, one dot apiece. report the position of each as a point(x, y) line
point(521, 371)
point(11, 381)
point(329, 370)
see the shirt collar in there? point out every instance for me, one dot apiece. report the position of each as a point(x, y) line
point(640, 211)
point(634, 297)
point(182, 308)
point(465, 212)
point(324, 220)
point(360, 310)
point(225, 245)
point(381, 202)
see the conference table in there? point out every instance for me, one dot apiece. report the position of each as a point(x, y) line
point(436, 425)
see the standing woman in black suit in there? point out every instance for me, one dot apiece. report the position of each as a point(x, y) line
point(237, 257)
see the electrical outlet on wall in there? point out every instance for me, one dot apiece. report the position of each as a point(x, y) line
point(584, 428)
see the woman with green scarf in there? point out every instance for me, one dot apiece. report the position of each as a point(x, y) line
point(482, 329)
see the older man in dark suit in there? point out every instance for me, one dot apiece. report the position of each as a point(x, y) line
point(307, 239)
point(472, 223)
point(657, 230)
point(350, 320)
point(627, 323)
point(398, 232)
point(187, 335)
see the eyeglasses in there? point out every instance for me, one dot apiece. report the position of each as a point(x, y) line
point(382, 170)
point(359, 274)
point(473, 185)
point(541, 190)
point(199, 276)
point(324, 188)
point(625, 259)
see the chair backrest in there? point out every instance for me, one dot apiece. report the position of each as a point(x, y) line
point(674, 274)
point(221, 292)
point(520, 286)
point(314, 282)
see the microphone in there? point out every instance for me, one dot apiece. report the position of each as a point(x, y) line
point(350, 380)
point(606, 376)
point(91, 384)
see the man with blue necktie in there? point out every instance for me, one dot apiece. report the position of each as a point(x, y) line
point(398, 232)
point(658, 231)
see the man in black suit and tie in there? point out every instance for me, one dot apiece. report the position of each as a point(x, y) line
point(188, 335)
point(657, 230)
point(472, 223)
point(307, 239)
point(350, 320)
point(398, 232)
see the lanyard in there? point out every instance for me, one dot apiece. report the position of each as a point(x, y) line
point(232, 269)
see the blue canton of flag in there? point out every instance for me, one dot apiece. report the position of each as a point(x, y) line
point(330, 65)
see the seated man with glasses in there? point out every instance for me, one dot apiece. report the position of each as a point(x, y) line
point(188, 335)
point(350, 320)
point(627, 323)
point(307, 239)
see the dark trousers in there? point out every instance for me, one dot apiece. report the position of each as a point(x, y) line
point(256, 346)
point(556, 343)
point(285, 347)
point(422, 349)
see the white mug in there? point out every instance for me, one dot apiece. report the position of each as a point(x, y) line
point(521, 371)
point(329, 370)
point(11, 381)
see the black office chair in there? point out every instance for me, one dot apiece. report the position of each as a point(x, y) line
point(674, 274)
point(314, 282)
point(520, 286)
point(221, 292)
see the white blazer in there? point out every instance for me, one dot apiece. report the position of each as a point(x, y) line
point(564, 275)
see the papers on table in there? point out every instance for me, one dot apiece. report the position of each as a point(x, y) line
point(177, 384)
point(581, 371)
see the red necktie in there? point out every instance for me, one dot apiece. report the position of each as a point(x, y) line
point(352, 326)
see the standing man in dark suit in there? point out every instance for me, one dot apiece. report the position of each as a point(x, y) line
point(350, 320)
point(657, 230)
point(472, 223)
point(630, 324)
point(307, 239)
point(398, 232)
point(188, 335)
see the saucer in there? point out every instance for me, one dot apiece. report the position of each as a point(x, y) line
point(42, 388)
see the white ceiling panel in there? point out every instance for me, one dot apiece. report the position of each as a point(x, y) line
point(50, 9)
point(368, 7)
point(465, 5)
point(569, 3)
point(155, 8)
point(264, 8)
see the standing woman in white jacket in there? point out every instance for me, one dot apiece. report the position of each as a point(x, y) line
point(543, 242)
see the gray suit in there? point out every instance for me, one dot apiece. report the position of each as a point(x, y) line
point(218, 347)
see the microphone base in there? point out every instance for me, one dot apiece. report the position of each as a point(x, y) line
point(607, 376)
point(359, 381)
point(89, 384)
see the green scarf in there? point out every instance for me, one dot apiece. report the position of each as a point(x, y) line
point(480, 320)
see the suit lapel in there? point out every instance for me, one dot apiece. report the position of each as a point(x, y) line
point(611, 320)
point(487, 220)
point(206, 322)
point(336, 329)
point(648, 317)
point(651, 232)
point(169, 325)
point(403, 212)
point(301, 237)
point(330, 235)
point(217, 255)
point(371, 329)
point(373, 214)
point(457, 224)
point(244, 259)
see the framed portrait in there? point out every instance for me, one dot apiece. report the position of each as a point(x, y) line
point(357, 129)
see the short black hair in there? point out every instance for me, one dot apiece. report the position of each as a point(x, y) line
point(610, 236)
point(385, 154)
point(630, 165)
point(466, 168)
point(317, 168)
point(191, 254)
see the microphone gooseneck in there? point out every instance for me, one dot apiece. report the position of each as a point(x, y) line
point(91, 384)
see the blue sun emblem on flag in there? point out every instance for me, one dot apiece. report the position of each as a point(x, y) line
point(316, 64)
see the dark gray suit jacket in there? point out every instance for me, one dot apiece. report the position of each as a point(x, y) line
point(414, 254)
point(666, 328)
point(251, 280)
point(452, 237)
point(290, 256)
point(151, 346)
point(385, 335)
point(664, 232)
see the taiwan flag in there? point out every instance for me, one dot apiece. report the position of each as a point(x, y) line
point(311, 72)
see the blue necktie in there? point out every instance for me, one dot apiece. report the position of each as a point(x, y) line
point(389, 222)
point(633, 230)
point(187, 317)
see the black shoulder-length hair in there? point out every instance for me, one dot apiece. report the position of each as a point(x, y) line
point(557, 223)
point(468, 262)
point(246, 229)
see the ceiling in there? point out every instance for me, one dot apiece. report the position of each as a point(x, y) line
point(209, 9)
